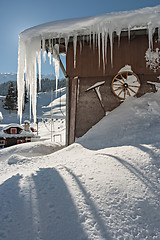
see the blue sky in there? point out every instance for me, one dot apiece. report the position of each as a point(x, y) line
point(18, 15)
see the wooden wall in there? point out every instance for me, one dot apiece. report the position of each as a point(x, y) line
point(88, 110)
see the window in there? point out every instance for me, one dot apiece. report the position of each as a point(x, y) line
point(13, 131)
point(28, 140)
point(2, 142)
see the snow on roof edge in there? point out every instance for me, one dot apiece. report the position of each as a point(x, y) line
point(61, 28)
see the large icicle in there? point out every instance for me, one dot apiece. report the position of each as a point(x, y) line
point(28, 56)
point(20, 77)
point(56, 63)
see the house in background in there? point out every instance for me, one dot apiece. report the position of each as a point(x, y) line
point(15, 134)
point(108, 58)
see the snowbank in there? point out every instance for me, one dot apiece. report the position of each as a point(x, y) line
point(135, 121)
point(109, 193)
point(31, 149)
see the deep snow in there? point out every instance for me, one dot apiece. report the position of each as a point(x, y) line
point(105, 186)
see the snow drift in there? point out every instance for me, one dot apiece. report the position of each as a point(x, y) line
point(108, 193)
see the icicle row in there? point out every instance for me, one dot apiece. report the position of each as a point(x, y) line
point(75, 48)
point(30, 54)
point(56, 63)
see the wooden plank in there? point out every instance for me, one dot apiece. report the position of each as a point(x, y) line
point(73, 103)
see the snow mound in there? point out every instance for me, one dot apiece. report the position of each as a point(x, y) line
point(17, 159)
point(107, 194)
point(32, 149)
point(135, 121)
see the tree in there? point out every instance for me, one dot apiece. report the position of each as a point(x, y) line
point(11, 98)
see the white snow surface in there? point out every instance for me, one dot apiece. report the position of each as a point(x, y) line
point(98, 27)
point(1, 116)
point(106, 186)
point(126, 68)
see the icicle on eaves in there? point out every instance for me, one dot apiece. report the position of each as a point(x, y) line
point(44, 50)
point(32, 51)
point(75, 48)
point(106, 46)
point(20, 77)
point(49, 52)
point(151, 30)
point(80, 45)
point(56, 63)
point(66, 42)
point(93, 33)
point(39, 67)
point(103, 50)
point(129, 32)
point(90, 37)
point(99, 48)
point(111, 45)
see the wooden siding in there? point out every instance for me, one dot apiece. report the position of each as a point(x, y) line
point(88, 110)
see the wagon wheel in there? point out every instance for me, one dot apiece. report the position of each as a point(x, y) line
point(125, 84)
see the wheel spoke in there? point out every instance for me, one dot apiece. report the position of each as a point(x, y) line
point(119, 80)
point(122, 77)
point(126, 75)
point(128, 92)
point(133, 86)
point(125, 93)
point(132, 90)
point(118, 88)
point(120, 92)
point(115, 84)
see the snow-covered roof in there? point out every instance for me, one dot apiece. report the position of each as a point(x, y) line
point(147, 17)
point(13, 125)
point(100, 27)
point(23, 133)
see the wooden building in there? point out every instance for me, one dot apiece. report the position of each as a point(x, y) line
point(108, 58)
point(85, 107)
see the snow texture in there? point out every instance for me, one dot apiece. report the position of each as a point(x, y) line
point(104, 187)
point(98, 27)
point(152, 59)
point(126, 68)
point(1, 116)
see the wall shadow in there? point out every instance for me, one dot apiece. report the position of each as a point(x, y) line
point(11, 210)
point(38, 207)
point(57, 211)
point(101, 225)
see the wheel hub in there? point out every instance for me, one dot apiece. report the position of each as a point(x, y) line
point(125, 85)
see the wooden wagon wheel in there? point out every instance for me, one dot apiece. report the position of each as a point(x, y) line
point(125, 84)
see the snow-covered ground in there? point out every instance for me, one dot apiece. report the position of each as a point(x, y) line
point(105, 186)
